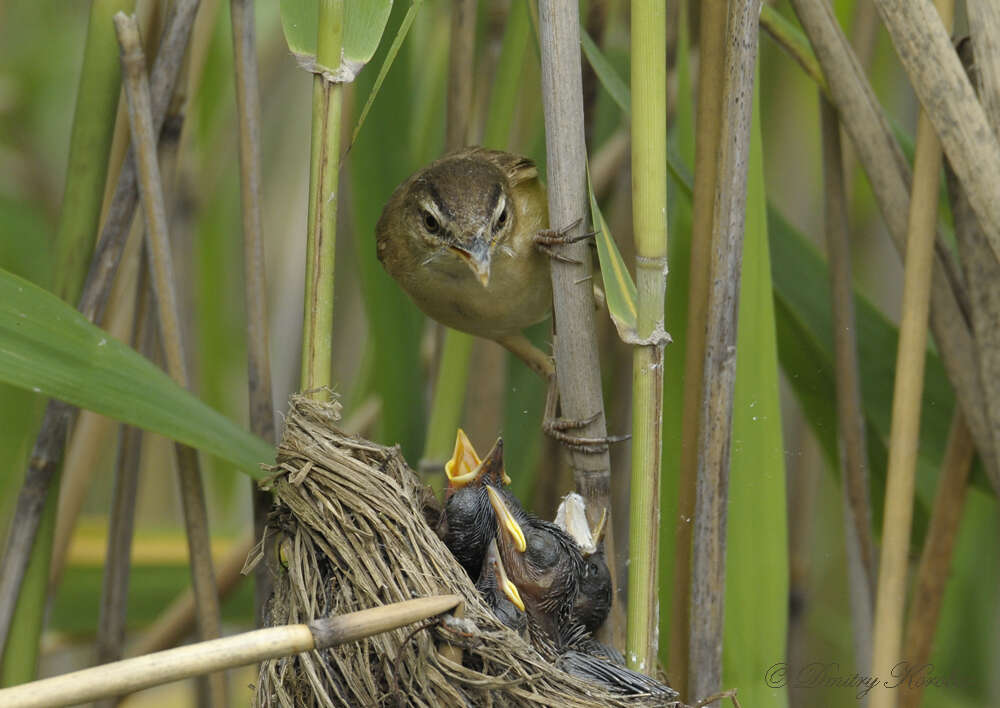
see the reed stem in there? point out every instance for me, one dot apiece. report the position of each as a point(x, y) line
point(324, 170)
point(708, 579)
point(649, 218)
point(906, 403)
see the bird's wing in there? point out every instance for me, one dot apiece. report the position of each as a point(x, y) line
point(616, 678)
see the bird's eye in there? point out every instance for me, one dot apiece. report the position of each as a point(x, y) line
point(502, 219)
point(430, 223)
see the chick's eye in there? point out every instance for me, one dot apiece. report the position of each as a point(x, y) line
point(502, 219)
point(430, 223)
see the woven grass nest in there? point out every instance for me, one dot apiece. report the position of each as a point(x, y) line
point(352, 520)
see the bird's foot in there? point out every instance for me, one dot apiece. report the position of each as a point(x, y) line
point(547, 238)
point(558, 428)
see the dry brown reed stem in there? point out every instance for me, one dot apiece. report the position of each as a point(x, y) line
point(261, 400)
point(889, 176)
point(904, 436)
point(981, 269)
point(121, 518)
point(161, 268)
point(984, 26)
point(935, 559)
point(239, 650)
point(850, 412)
point(924, 47)
point(46, 455)
point(353, 528)
point(578, 371)
point(711, 68)
point(708, 577)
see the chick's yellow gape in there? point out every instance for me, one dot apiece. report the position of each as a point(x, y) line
point(459, 236)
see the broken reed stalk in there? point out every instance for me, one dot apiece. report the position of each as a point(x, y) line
point(935, 559)
point(906, 402)
point(924, 48)
point(218, 654)
point(161, 268)
point(261, 400)
point(711, 63)
point(324, 197)
point(578, 372)
point(708, 581)
point(121, 522)
point(456, 349)
point(92, 432)
point(889, 175)
point(850, 413)
point(48, 449)
point(649, 218)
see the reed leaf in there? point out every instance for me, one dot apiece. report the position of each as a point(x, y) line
point(46, 346)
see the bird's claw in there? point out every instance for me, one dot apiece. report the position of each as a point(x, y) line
point(547, 238)
point(556, 429)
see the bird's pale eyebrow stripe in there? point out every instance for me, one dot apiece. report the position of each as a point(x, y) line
point(494, 199)
point(436, 196)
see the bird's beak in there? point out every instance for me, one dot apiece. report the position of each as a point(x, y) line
point(504, 582)
point(463, 467)
point(492, 466)
point(477, 257)
point(505, 520)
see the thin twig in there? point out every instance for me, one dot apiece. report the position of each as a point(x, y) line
point(790, 39)
point(850, 413)
point(218, 654)
point(711, 70)
point(935, 559)
point(889, 175)
point(906, 400)
point(577, 362)
point(708, 579)
point(160, 263)
point(121, 523)
point(261, 400)
point(50, 444)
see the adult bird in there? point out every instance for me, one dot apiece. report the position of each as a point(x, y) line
point(467, 239)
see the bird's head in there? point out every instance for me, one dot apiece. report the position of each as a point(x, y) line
point(461, 211)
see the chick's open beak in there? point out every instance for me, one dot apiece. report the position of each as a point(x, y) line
point(477, 256)
point(464, 465)
point(508, 525)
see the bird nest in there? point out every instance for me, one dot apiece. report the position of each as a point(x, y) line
point(355, 529)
